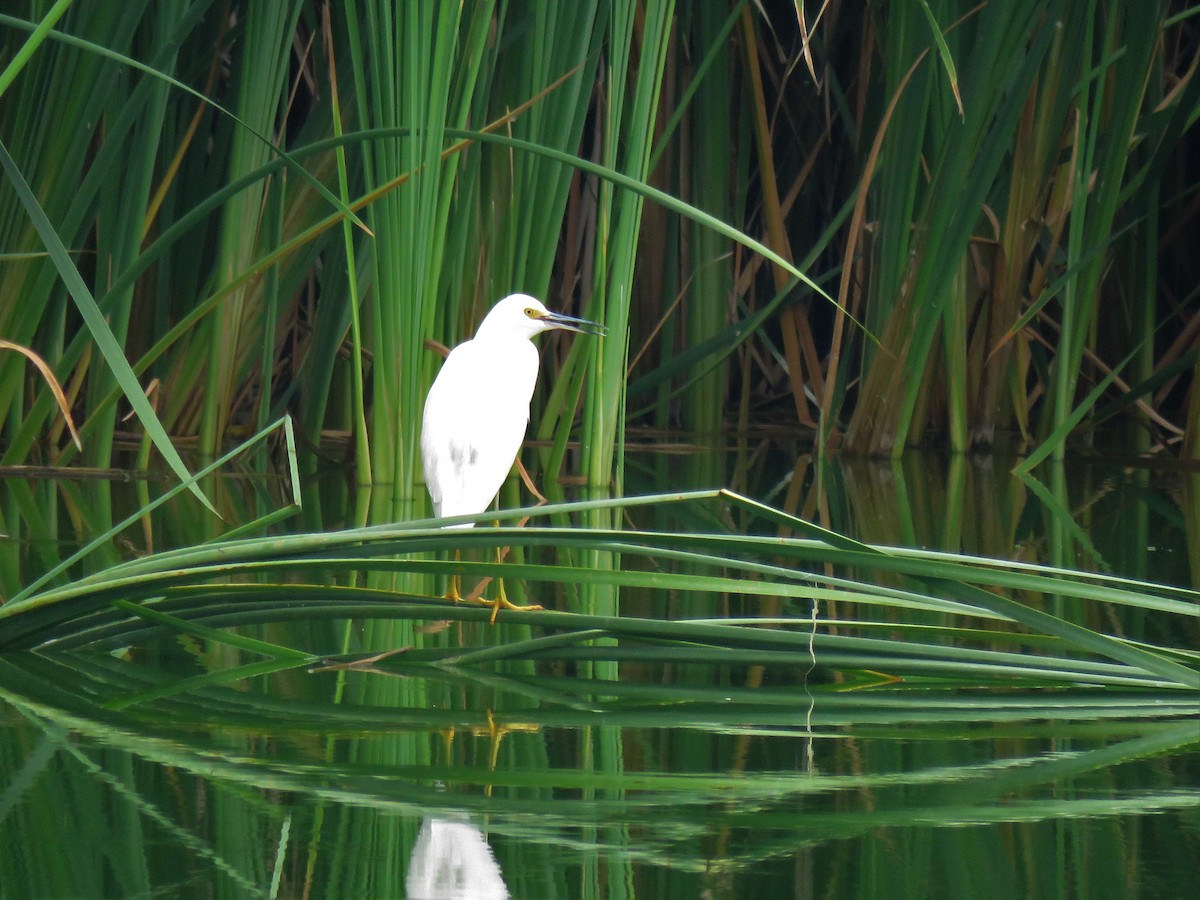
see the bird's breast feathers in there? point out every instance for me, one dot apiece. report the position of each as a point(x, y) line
point(475, 419)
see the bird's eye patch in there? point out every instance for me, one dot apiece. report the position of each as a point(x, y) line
point(531, 312)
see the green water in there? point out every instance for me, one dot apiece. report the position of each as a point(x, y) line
point(168, 769)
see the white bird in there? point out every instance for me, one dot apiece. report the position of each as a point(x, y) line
point(452, 860)
point(477, 411)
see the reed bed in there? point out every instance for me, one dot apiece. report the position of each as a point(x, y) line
point(938, 223)
point(241, 232)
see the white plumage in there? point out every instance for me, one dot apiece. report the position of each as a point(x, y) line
point(452, 860)
point(477, 410)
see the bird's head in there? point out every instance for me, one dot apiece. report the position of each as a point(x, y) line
point(522, 316)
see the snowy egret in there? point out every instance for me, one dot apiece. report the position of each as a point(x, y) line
point(477, 411)
point(452, 858)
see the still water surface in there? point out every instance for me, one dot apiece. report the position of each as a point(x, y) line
point(152, 771)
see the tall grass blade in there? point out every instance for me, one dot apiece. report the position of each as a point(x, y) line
point(98, 327)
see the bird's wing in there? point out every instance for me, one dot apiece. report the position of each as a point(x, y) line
point(474, 421)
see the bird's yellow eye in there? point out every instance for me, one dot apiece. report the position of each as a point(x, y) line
point(531, 312)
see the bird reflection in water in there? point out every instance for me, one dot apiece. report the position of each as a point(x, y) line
point(451, 860)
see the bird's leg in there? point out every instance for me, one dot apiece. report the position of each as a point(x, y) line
point(495, 734)
point(502, 600)
point(452, 591)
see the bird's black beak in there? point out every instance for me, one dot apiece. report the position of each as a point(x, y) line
point(571, 323)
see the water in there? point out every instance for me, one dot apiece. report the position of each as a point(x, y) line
point(180, 766)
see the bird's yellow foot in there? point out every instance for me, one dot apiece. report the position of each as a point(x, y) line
point(495, 733)
point(452, 591)
point(502, 602)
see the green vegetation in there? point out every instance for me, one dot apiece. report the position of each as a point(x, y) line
point(720, 562)
point(995, 199)
point(233, 238)
point(211, 702)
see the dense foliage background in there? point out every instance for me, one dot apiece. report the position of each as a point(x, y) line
point(871, 225)
point(997, 201)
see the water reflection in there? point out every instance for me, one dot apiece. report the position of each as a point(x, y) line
point(453, 861)
point(671, 785)
point(616, 771)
